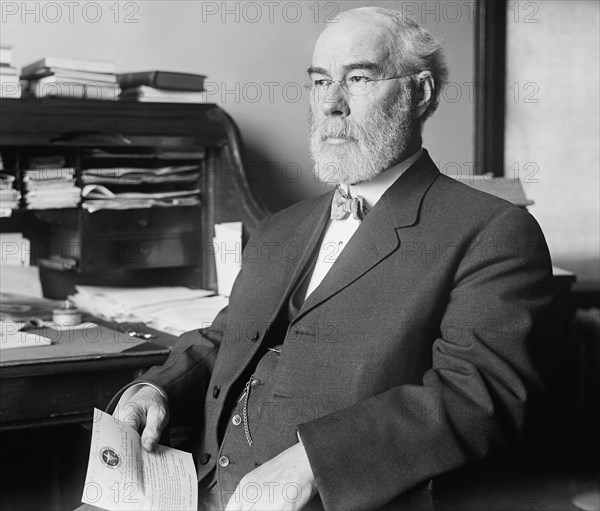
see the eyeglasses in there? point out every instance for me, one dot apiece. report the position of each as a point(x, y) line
point(355, 85)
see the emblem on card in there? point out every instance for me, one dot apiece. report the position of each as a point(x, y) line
point(110, 457)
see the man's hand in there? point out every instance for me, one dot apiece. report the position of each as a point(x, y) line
point(147, 409)
point(283, 483)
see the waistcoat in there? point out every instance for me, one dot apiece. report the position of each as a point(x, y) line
point(243, 442)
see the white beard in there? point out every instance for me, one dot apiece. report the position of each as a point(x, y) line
point(370, 148)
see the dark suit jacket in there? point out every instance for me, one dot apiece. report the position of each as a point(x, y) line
point(412, 358)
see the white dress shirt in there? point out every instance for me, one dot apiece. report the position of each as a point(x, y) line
point(338, 232)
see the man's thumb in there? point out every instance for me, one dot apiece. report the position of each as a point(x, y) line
point(152, 430)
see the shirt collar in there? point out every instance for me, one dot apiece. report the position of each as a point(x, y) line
point(373, 190)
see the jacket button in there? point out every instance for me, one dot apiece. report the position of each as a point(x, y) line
point(204, 458)
point(216, 391)
point(253, 335)
point(255, 383)
point(223, 461)
point(236, 420)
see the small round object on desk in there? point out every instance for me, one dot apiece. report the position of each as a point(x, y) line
point(66, 317)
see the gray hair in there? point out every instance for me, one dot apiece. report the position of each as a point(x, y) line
point(412, 49)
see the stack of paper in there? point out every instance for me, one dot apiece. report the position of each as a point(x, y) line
point(133, 187)
point(169, 309)
point(152, 154)
point(136, 175)
point(72, 78)
point(10, 85)
point(49, 188)
point(9, 197)
point(99, 197)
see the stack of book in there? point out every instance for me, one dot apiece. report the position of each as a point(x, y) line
point(9, 197)
point(71, 78)
point(10, 85)
point(50, 185)
point(162, 87)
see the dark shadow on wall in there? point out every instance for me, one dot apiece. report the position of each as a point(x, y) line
point(278, 185)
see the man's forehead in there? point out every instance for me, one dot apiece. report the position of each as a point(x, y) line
point(349, 42)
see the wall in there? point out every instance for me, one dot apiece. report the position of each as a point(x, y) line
point(553, 127)
point(256, 55)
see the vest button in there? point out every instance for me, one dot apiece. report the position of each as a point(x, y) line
point(223, 461)
point(255, 383)
point(253, 335)
point(216, 391)
point(236, 420)
point(204, 458)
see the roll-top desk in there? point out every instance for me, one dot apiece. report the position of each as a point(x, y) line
point(147, 246)
point(44, 400)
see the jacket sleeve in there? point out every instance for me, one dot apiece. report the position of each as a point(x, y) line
point(475, 396)
point(186, 373)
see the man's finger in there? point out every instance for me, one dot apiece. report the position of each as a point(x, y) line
point(155, 423)
point(131, 414)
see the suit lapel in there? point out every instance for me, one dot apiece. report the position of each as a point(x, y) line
point(266, 305)
point(306, 236)
point(377, 236)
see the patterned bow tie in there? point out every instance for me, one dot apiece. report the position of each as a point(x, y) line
point(343, 205)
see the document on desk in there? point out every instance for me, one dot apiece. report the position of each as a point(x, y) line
point(121, 475)
point(11, 336)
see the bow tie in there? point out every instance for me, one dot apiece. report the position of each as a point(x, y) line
point(343, 205)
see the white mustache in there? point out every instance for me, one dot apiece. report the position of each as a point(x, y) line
point(337, 128)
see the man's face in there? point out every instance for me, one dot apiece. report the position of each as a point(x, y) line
point(354, 137)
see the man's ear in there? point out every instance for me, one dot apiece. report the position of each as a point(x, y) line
point(424, 93)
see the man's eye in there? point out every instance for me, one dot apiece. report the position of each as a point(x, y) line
point(358, 79)
point(321, 82)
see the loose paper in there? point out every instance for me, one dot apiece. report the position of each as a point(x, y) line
point(12, 337)
point(15, 250)
point(227, 245)
point(123, 476)
point(72, 341)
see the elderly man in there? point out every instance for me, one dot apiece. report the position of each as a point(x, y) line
point(378, 335)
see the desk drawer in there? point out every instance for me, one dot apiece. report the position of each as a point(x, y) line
point(139, 253)
point(159, 237)
point(56, 399)
point(140, 223)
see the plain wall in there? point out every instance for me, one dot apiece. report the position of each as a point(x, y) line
point(255, 55)
point(552, 127)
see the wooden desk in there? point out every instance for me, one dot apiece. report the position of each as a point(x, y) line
point(46, 396)
point(53, 391)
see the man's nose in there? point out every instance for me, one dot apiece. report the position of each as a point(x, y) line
point(334, 102)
